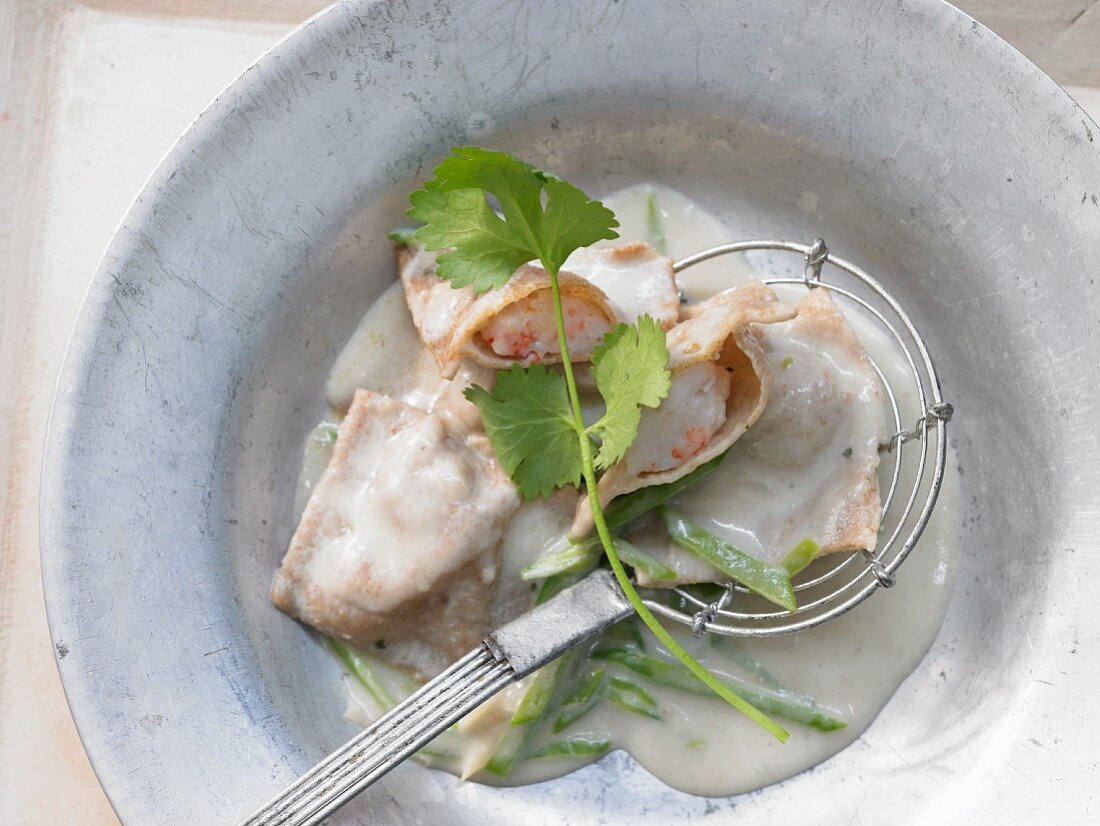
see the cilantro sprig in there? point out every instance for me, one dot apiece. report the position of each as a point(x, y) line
point(533, 415)
point(530, 423)
point(487, 247)
point(530, 418)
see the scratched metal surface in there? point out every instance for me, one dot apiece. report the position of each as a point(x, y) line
point(941, 160)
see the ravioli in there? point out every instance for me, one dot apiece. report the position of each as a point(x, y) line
point(808, 468)
point(400, 538)
point(721, 382)
point(600, 288)
point(512, 325)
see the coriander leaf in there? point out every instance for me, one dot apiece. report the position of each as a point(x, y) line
point(515, 184)
point(530, 425)
point(631, 370)
point(572, 220)
point(487, 249)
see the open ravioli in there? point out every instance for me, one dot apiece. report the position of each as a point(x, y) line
point(721, 382)
point(808, 468)
point(599, 287)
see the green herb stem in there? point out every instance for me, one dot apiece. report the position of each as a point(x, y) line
point(589, 474)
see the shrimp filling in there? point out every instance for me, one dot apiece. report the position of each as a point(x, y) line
point(683, 425)
point(526, 330)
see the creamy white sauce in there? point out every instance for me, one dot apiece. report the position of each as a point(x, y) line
point(385, 355)
point(392, 487)
point(851, 665)
point(636, 279)
point(687, 229)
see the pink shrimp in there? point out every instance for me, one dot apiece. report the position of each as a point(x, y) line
point(682, 427)
point(527, 331)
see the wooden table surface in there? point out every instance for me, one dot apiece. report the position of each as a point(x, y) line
point(91, 97)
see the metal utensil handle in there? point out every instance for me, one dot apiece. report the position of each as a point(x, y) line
point(509, 653)
point(392, 738)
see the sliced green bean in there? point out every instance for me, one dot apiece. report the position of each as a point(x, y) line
point(571, 556)
point(571, 714)
point(518, 739)
point(584, 555)
point(537, 697)
point(746, 663)
point(326, 433)
point(641, 561)
point(630, 696)
point(584, 688)
point(359, 666)
point(581, 699)
point(576, 745)
point(776, 701)
point(625, 633)
point(566, 565)
point(654, 231)
point(706, 591)
point(769, 581)
point(509, 751)
point(553, 585)
point(800, 556)
point(436, 753)
point(658, 671)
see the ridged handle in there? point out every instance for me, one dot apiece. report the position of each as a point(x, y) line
point(388, 741)
point(510, 652)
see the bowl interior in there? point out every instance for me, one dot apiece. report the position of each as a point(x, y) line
point(198, 364)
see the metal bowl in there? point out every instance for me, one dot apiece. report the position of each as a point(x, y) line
point(922, 146)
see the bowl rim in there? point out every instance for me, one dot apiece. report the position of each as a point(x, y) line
point(79, 345)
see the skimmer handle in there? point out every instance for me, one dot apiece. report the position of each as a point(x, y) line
point(389, 740)
point(509, 653)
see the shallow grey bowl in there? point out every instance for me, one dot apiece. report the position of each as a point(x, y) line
point(941, 161)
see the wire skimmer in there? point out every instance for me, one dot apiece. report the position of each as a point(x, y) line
point(827, 589)
point(838, 582)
